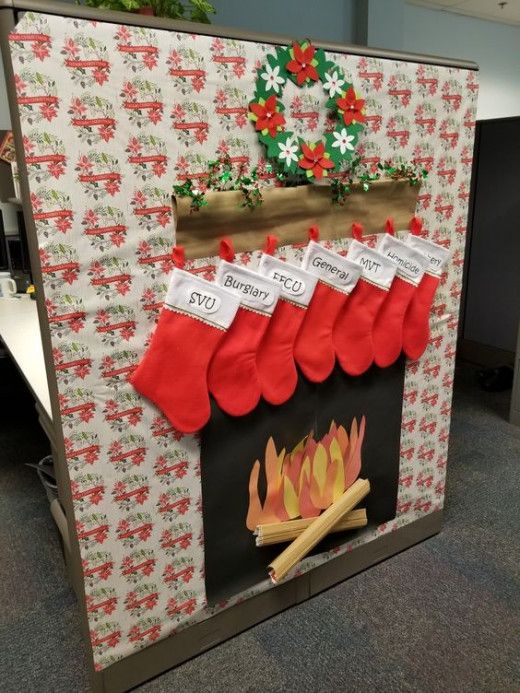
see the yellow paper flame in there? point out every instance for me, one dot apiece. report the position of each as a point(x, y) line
point(307, 480)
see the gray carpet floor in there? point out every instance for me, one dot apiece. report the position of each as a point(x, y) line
point(443, 616)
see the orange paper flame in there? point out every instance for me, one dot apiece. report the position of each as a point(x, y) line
point(305, 481)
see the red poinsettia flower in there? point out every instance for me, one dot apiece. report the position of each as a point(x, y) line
point(314, 160)
point(351, 107)
point(301, 64)
point(268, 118)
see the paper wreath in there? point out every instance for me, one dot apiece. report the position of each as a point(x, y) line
point(304, 64)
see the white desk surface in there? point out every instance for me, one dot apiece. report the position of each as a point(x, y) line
point(20, 332)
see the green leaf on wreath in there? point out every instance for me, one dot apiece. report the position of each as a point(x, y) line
point(319, 59)
point(273, 62)
point(283, 70)
point(283, 55)
point(271, 59)
point(260, 92)
point(355, 128)
point(293, 168)
point(330, 67)
point(333, 151)
point(273, 150)
point(265, 139)
point(261, 84)
point(323, 65)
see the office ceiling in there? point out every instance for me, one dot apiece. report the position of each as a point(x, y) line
point(492, 10)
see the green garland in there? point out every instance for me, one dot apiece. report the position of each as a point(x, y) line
point(342, 186)
point(223, 176)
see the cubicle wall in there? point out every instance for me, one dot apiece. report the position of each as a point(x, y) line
point(110, 114)
point(494, 246)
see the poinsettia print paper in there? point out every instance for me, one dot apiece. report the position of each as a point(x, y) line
point(112, 116)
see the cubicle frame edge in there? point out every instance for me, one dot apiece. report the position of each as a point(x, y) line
point(177, 648)
point(133, 19)
point(54, 432)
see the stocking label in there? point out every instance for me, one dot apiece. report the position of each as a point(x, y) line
point(377, 269)
point(410, 263)
point(201, 299)
point(296, 285)
point(255, 292)
point(330, 268)
point(437, 255)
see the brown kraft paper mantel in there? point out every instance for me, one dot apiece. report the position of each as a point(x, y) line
point(288, 213)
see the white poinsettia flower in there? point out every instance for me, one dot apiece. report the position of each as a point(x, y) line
point(288, 151)
point(333, 83)
point(343, 141)
point(272, 78)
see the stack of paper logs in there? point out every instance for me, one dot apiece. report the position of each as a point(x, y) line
point(309, 532)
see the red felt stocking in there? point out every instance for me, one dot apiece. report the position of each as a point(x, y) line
point(337, 276)
point(352, 334)
point(387, 334)
point(416, 327)
point(233, 376)
point(172, 373)
point(275, 358)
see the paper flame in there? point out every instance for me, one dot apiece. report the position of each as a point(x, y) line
point(305, 481)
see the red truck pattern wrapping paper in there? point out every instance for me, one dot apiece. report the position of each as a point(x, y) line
point(137, 109)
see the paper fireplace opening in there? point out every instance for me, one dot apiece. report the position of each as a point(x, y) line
point(358, 418)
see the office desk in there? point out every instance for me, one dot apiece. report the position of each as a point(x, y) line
point(20, 333)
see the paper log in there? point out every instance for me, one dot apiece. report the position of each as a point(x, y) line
point(279, 532)
point(318, 529)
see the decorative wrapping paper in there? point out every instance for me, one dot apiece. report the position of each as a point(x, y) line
point(112, 116)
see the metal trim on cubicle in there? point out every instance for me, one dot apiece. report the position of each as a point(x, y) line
point(90, 13)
